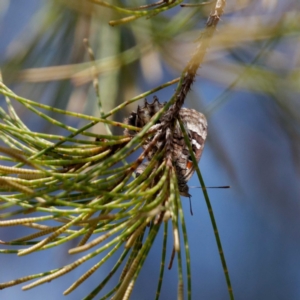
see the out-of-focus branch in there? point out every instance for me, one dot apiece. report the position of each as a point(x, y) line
point(189, 73)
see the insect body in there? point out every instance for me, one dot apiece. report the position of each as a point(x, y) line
point(196, 127)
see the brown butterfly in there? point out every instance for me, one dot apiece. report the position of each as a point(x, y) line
point(196, 127)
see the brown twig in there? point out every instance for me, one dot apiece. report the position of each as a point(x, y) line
point(190, 71)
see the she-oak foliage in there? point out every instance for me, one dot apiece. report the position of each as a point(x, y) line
point(77, 184)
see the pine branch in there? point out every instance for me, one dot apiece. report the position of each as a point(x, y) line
point(78, 184)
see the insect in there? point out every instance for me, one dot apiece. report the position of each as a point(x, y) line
point(196, 127)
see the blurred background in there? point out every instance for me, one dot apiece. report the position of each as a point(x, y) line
point(248, 87)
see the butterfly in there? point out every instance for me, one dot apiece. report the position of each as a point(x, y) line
point(196, 127)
